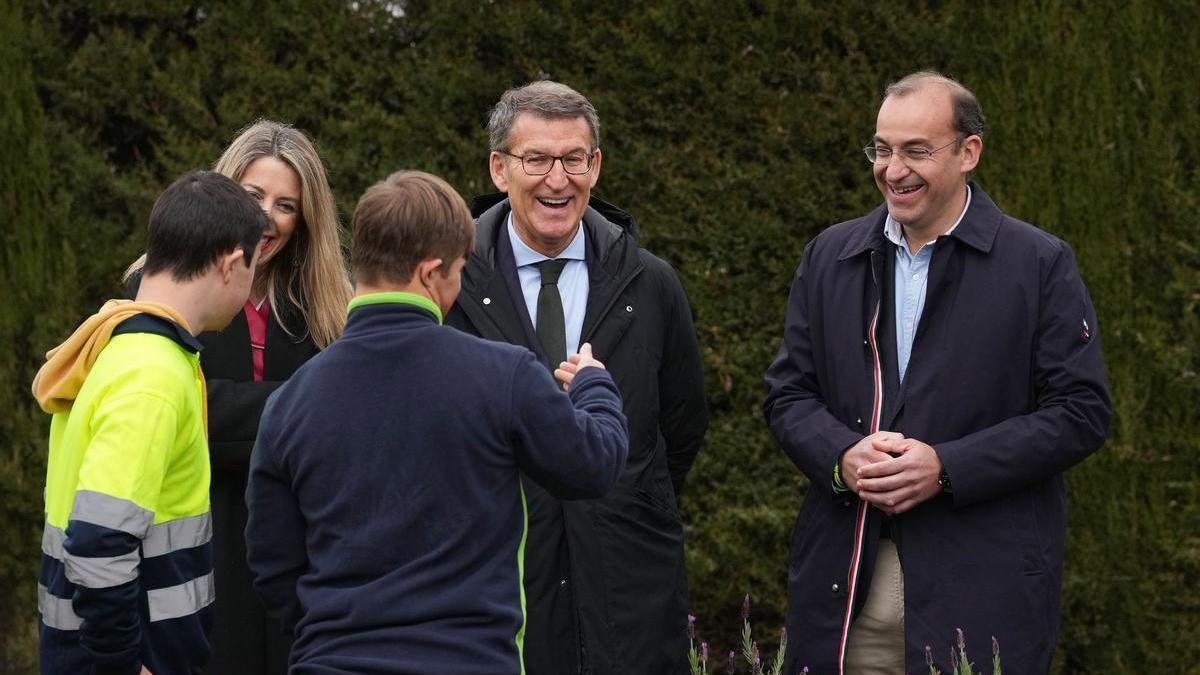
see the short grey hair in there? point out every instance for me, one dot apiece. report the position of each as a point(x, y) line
point(544, 98)
point(968, 116)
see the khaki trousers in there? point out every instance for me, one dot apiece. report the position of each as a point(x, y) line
point(876, 644)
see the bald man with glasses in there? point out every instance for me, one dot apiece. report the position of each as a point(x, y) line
point(940, 370)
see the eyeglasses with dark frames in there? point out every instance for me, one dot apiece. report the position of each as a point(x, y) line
point(882, 154)
point(537, 164)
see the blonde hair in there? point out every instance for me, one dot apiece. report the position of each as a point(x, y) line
point(310, 271)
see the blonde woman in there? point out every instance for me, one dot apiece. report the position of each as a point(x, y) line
point(297, 306)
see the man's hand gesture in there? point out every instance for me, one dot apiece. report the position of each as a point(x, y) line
point(567, 370)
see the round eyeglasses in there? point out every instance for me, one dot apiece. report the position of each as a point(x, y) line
point(882, 154)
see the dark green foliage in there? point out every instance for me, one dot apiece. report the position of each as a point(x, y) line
point(732, 131)
point(36, 280)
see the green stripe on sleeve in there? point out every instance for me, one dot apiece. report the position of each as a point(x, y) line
point(521, 576)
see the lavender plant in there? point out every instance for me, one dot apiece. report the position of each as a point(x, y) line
point(751, 654)
point(698, 661)
point(959, 663)
point(750, 651)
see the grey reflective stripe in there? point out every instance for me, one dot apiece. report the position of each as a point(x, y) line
point(102, 572)
point(185, 599)
point(177, 535)
point(52, 541)
point(57, 612)
point(89, 572)
point(111, 512)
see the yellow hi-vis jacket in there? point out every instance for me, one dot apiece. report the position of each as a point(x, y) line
point(127, 560)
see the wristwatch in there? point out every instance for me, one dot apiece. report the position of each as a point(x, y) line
point(944, 482)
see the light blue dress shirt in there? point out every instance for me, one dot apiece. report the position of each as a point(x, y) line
point(573, 284)
point(910, 285)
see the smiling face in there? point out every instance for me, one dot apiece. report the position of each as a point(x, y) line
point(276, 186)
point(927, 195)
point(546, 209)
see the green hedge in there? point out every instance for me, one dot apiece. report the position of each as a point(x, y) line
point(732, 131)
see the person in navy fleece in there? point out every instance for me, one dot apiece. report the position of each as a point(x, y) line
point(387, 518)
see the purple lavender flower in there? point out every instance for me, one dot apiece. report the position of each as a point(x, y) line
point(731, 664)
point(746, 608)
point(703, 652)
point(691, 627)
point(995, 646)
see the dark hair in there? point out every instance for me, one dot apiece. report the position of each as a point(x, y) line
point(199, 217)
point(544, 98)
point(968, 116)
point(409, 217)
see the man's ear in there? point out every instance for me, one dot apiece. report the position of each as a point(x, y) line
point(427, 268)
point(227, 261)
point(499, 171)
point(972, 150)
point(595, 172)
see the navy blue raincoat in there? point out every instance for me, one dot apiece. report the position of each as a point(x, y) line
point(1006, 381)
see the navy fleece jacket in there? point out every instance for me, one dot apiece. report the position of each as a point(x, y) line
point(387, 517)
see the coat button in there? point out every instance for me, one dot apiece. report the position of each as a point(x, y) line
point(845, 502)
point(859, 421)
point(836, 588)
point(487, 301)
point(562, 583)
point(628, 308)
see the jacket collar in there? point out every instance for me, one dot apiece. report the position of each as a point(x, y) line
point(612, 259)
point(978, 227)
point(607, 229)
point(401, 299)
point(866, 234)
point(482, 204)
point(160, 325)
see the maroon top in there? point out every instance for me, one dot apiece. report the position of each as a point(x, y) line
point(256, 317)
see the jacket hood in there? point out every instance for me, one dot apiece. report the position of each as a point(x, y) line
point(58, 381)
point(611, 234)
point(614, 214)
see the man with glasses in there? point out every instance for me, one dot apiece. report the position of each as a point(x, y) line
point(940, 369)
point(554, 267)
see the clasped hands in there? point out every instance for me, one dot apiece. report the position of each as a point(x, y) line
point(892, 472)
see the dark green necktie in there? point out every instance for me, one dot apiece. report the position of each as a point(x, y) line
point(551, 326)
